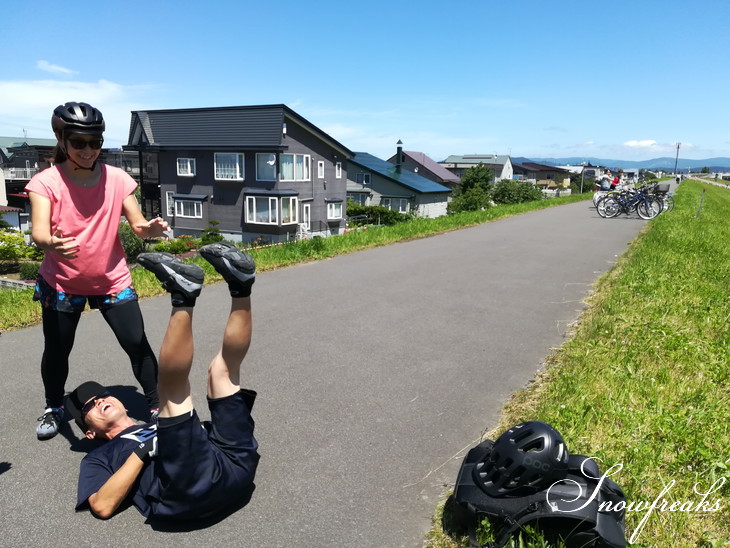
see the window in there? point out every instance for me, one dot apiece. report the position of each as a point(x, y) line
point(363, 179)
point(265, 210)
point(266, 167)
point(358, 197)
point(261, 210)
point(334, 210)
point(320, 169)
point(288, 210)
point(186, 167)
point(170, 203)
point(189, 208)
point(295, 167)
point(338, 170)
point(228, 167)
point(395, 204)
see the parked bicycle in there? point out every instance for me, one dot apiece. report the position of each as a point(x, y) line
point(646, 205)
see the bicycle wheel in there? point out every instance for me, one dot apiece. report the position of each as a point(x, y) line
point(609, 207)
point(668, 203)
point(648, 208)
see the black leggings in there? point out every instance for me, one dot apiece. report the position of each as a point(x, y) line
point(125, 319)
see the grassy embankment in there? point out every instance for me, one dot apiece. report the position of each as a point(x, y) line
point(644, 382)
point(17, 310)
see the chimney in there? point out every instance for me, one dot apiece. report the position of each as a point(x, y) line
point(399, 156)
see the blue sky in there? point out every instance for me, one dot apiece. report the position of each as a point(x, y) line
point(624, 79)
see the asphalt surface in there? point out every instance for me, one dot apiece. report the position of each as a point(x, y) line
point(376, 372)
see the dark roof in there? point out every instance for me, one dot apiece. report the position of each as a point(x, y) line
point(534, 166)
point(431, 165)
point(404, 177)
point(245, 127)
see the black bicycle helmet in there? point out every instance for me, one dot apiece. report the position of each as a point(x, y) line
point(77, 118)
point(527, 458)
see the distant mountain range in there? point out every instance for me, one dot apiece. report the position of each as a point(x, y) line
point(665, 164)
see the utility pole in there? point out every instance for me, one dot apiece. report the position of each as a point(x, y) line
point(676, 159)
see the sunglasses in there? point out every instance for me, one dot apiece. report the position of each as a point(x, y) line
point(89, 405)
point(80, 144)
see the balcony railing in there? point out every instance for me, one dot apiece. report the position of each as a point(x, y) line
point(19, 173)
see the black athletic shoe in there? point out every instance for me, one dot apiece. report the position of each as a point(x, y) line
point(176, 277)
point(236, 267)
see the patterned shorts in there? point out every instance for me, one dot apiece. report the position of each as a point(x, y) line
point(68, 302)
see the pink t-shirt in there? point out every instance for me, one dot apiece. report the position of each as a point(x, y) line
point(91, 215)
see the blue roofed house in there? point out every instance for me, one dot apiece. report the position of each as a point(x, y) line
point(372, 181)
point(258, 171)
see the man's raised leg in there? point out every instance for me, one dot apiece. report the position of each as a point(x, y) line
point(239, 271)
point(184, 283)
point(224, 371)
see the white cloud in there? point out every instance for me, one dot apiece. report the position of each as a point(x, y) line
point(28, 105)
point(646, 143)
point(54, 69)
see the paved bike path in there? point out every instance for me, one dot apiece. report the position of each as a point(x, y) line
point(376, 371)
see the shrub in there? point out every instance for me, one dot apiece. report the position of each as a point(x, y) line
point(375, 215)
point(29, 270)
point(211, 234)
point(472, 199)
point(507, 191)
point(176, 246)
point(12, 245)
point(133, 245)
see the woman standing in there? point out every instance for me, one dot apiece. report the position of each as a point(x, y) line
point(77, 205)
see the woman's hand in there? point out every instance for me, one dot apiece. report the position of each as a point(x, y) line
point(155, 228)
point(65, 247)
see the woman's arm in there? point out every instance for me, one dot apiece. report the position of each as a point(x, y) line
point(41, 232)
point(155, 228)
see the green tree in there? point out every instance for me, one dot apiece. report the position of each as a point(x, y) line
point(212, 234)
point(477, 176)
point(472, 199)
point(705, 170)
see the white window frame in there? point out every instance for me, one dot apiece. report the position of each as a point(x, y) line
point(273, 210)
point(170, 202)
point(332, 210)
point(388, 203)
point(197, 207)
point(363, 179)
point(320, 169)
point(338, 170)
point(186, 167)
point(293, 208)
point(238, 167)
point(267, 155)
point(306, 167)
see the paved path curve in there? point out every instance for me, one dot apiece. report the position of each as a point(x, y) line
point(375, 371)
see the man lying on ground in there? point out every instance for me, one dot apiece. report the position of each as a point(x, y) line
point(178, 468)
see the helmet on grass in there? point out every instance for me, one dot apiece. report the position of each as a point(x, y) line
point(526, 458)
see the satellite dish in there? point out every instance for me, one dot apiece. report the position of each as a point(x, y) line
point(272, 160)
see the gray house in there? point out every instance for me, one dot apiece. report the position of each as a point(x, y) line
point(258, 171)
point(499, 164)
point(372, 181)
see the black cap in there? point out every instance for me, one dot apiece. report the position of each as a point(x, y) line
point(79, 397)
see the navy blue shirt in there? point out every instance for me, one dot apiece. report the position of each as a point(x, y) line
point(101, 463)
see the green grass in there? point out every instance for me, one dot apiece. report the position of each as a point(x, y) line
point(17, 310)
point(645, 381)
